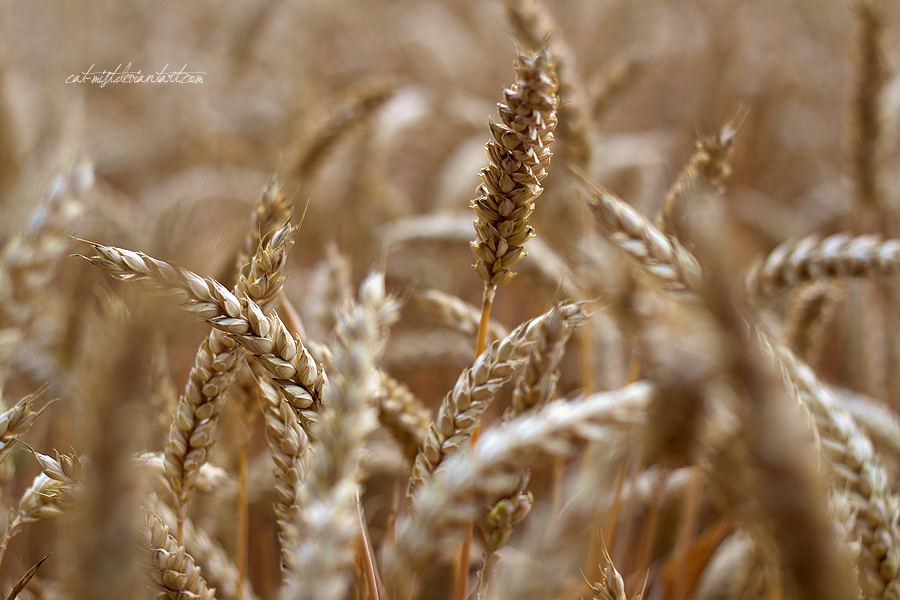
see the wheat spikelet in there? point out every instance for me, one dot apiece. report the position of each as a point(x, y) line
point(266, 338)
point(172, 571)
point(476, 386)
point(796, 262)
point(519, 155)
point(659, 254)
point(497, 527)
point(445, 503)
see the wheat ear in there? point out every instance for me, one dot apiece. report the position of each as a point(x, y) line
point(673, 266)
point(321, 558)
point(290, 451)
point(856, 470)
point(812, 258)
point(457, 314)
point(707, 170)
point(218, 360)
point(218, 569)
point(172, 571)
point(403, 414)
point(265, 338)
point(463, 406)
point(56, 488)
point(519, 154)
point(444, 504)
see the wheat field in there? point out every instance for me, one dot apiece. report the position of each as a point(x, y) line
point(450, 299)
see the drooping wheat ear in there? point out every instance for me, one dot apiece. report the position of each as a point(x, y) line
point(871, 74)
point(536, 385)
point(265, 338)
point(321, 560)
point(812, 258)
point(809, 312)
point(463, 407)
point(290, 451)
point(855, 468)
point(357, 108)
point(444, 504)
point(535, 28)
point(58, 487)
point(15, 422)
point(219, 570)
point(672, 265)
point(172, 572)
point(519, 155)
point(403, 414)
point(706, 171)
point(28, 261)
point(457, 314)
point(218, 360)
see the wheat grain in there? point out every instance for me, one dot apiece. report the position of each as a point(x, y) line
point(457, 314)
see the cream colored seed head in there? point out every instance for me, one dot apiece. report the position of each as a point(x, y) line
point(519, 154)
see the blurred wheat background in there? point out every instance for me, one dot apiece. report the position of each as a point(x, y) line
point(371, 118)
